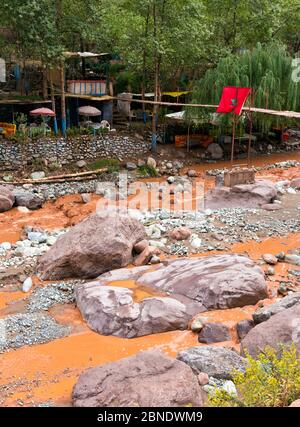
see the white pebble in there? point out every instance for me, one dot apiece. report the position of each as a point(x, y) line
point(27, 284)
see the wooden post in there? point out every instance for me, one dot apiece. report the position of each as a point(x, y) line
point(250, 133)
point(188, 139)
point(45, 84)
point(53, 102)
point(143, 87)
point(233, 138)
point(156, 85)
point(63, 99)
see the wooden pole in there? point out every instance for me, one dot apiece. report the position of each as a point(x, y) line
point(156, 83)
point(63, 99)
point(53, 101)
point(188, 138)
point(45, 84)
point(250, 131)
point(233, 140)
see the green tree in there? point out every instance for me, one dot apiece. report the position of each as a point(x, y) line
point(32, 23)
point(266, 69)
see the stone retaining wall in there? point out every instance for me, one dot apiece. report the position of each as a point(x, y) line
point(14, 155)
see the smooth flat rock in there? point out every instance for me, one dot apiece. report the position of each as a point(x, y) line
point(184, 288)
point(111, 310)
point(254, 195)
point(218, 281)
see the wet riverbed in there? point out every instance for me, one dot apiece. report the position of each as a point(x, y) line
point(45, 373)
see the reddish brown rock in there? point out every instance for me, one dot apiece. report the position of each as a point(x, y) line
point(295, 183)
point(203, 378)
point(102, 242)
point(145, 256)
point(149, 379)
point(219, 281)
point(270, 259)
point(140, 246)
point(282, 328)
point(214, 332)
point(111, 310)
point(185, 288)
point(244, 195)
point(180, 233)
point(271, 207)
point(243, 327)
point(7, 199)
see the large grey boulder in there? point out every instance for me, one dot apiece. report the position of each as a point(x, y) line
point(217, 362)
point(264, 313)
point(7, 199)
point(254, 195)
point(215, 151)
point(102, 242)
point(149, 379)
point(29, 200)
point(282, 328)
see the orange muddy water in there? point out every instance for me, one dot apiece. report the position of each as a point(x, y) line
point(46, 373)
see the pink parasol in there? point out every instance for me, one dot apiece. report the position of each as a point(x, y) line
point(89, 111)
point(42, 112)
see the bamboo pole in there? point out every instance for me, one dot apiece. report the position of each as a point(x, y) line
point(290, 114)
point(59, 178)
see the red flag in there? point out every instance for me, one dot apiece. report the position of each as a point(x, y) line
point(233, 99)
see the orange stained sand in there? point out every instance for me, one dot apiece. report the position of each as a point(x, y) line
point(229, 317)
point(272, 245)
point(234, 315)
point(7, 298)
point(56, 365)
point(64, 212)
point(255, 161)
point(276, 175)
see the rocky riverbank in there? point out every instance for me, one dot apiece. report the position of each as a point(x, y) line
point(203, 286)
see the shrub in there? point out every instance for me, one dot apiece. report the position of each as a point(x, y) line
point(146, 170)
point(270, 380)
point(113, 165)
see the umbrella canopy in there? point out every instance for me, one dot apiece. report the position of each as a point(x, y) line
point(42, 112)
point(89, 111)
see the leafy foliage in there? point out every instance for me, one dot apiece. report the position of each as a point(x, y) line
point(271, 380)
point(146, 171)
point(266, 69)
point(33, 23)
